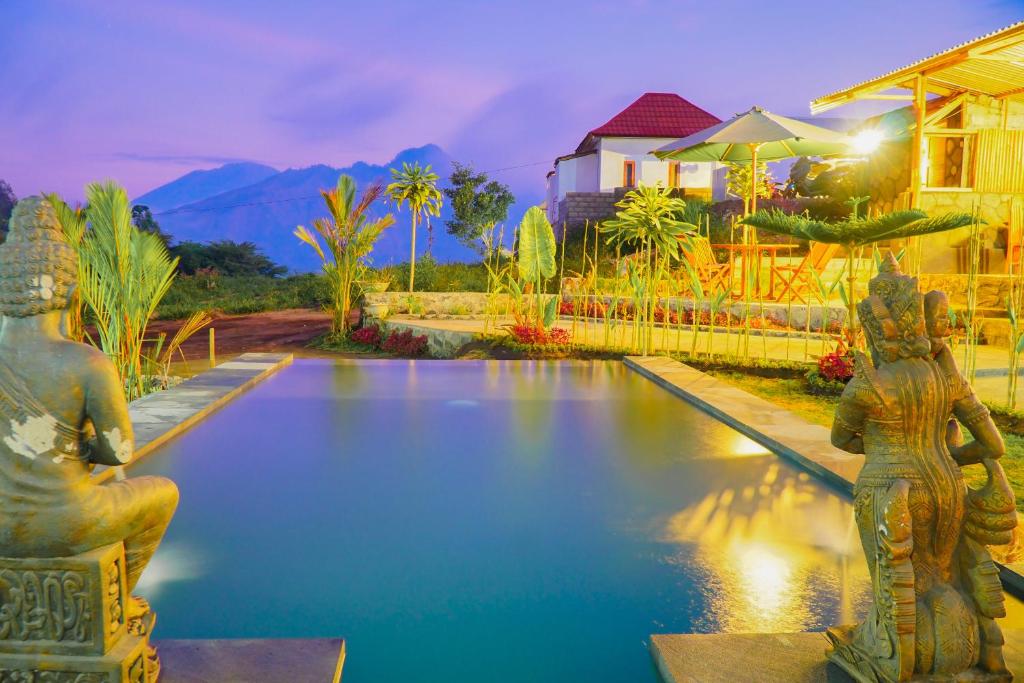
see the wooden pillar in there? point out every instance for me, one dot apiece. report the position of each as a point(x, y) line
point(917, 147)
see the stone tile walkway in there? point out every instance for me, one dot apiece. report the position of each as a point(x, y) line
point(448, 334)
point(315, 660)
point(162, 415)
point(767, 657)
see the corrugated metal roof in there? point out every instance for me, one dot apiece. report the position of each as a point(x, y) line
point(992, 64)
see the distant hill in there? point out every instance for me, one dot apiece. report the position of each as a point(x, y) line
point(268, 210)
point(199, 185)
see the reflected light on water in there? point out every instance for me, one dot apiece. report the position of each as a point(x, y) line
point(772, 550)
point(462, 403)
point(174, 562)
point(744, 447)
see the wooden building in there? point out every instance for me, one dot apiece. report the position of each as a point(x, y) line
point(959, 146)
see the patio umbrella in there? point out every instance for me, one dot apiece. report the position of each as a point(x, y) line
point(757, 136)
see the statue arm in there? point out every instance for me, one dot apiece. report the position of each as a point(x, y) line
point(848, 424)
point(988, 443)
point(107, 409)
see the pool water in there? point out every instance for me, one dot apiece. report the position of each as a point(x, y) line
point(498, 521)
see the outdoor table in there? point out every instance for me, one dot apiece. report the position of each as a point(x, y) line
point(754, 252)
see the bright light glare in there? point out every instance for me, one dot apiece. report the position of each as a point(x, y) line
point(867, 140)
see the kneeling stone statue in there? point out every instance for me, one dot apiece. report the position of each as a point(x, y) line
point(71, 551)
point(924, 532)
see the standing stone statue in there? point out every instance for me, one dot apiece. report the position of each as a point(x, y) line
point(71, 551)
point(924, 532)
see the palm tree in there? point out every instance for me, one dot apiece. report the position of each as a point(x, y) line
point(417, 187)
point(856, 232)
point(350, 234)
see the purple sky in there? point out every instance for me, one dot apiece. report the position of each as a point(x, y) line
point(145, 91)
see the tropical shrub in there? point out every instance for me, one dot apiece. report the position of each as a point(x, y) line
point(123, 274)
point(226, 258)
point(836, 366)
point(349, 234)
point(368, 336)
point(405, 344)
point(533, 336)
point(536, 262)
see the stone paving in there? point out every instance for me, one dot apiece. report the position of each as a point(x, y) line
point(448, 334)
point(767, 657)
point(315, 660)
point(160, 416)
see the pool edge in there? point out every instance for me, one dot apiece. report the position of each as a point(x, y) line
point(221, 384)
point(777, 429)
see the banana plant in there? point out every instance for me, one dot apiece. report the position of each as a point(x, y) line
point(536, 262)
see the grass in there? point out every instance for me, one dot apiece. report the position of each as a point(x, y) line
point(791, 394)
point(241, 294)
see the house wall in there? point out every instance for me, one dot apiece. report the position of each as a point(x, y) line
point(649, 169)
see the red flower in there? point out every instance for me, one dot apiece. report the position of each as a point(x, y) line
point(369, 336)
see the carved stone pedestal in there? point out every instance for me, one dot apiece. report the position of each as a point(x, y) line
point(62, 620)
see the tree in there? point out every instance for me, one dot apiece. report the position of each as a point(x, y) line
point(737, 180)
point(416, 187)
point(227, 258)
point(7, 202)
point(350, 235)
point(142, 219)
point(477, 205)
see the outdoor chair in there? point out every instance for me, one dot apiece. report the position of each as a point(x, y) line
point(797, 280)
point(713, 275)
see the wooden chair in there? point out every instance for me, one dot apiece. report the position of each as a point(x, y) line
point(798, 279)
point(698, 253)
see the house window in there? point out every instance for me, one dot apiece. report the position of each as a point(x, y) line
point(673, 174)
point(948, 161)
point(629, 174)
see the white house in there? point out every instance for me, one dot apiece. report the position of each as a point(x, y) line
point(616, 156)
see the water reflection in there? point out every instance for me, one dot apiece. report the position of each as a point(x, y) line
point(773, 547)
point(176, 561)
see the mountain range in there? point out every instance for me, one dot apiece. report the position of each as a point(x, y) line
point(256, 203)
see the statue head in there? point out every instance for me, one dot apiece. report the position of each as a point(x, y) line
point(38, 268)
point(893, 315)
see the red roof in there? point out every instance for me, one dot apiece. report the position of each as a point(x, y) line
point(657, 115)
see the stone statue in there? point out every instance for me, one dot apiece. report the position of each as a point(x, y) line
point(936, 589)
point(62, 411)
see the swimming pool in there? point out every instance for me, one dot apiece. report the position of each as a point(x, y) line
point(499, 521)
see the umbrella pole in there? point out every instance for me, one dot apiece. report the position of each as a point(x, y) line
point(753, 177)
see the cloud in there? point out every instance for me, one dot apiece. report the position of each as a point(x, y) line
point(505, 135)
point(179, 159)
point(327, 109)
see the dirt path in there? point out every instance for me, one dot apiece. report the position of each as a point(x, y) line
point(289, 330)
